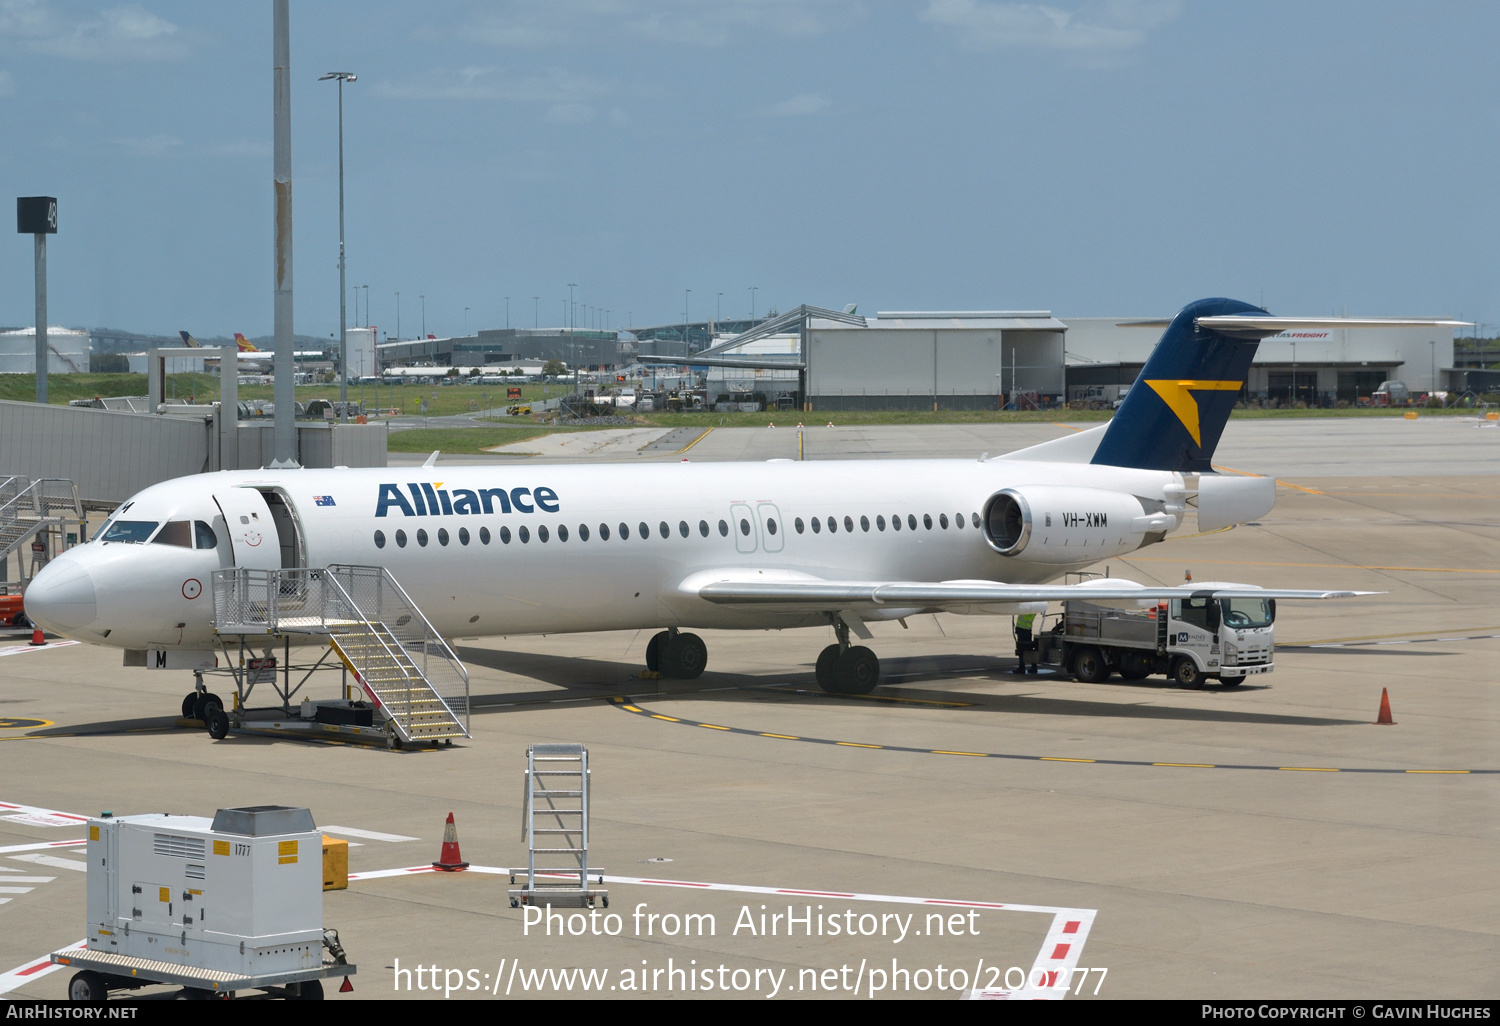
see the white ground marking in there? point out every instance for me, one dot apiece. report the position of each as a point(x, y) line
point(11, 810)
point(369, 835)
point(33, 970)
point(1050, 976)
point(23, 649)
point(43, 846)
point(54, 862)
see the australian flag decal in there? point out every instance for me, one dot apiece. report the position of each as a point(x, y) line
point(323, 500)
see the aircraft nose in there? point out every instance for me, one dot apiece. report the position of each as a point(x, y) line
point(61, 597)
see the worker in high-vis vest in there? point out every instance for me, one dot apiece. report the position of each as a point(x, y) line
point(1024, 643)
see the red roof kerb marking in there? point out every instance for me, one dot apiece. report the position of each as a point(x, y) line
point(1072, 926)
point(1061, 951)
point(961, 904)
point(34, 968)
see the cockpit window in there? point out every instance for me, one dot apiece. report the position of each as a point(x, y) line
point(205, 534)
point(128, 531)
point(176, 532)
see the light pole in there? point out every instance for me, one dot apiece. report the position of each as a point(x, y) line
point(466, 321)
point(398, 317)
point(718, 312)
point(753, 290)
point(1294, 374)
point(685, 294)
point(367, 304)
point(507, 312)
point(536, 315)
point(572, 354)
point(424, 315)
point(341, 77)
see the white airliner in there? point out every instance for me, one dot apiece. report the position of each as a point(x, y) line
point(535, 548)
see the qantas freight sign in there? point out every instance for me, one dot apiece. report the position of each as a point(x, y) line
point(430, 500)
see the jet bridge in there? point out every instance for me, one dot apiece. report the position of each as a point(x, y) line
point(407, 683)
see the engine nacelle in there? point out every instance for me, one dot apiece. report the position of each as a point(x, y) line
point(1056, 524)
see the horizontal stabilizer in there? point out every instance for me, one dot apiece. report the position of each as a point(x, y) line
point(1263, 326)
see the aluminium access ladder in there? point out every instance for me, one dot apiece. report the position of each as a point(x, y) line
point(555, 825)
point(31, 509)
point(415, 681)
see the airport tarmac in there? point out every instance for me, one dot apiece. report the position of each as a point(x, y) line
point(1257, 842)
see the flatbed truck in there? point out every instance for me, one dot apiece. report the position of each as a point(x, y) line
point(1189, 640)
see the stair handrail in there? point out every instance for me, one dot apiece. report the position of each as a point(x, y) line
point(11, 509)
point(456, 698)
point(402, 720)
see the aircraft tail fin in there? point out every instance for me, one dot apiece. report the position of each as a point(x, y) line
point(246, 346)
point(1173, 415)
point(190, 341)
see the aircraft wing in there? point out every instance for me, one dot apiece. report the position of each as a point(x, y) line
point(805, 593)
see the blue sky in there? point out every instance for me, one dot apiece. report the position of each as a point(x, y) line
point(1119, 157)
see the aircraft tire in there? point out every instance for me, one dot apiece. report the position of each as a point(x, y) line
point(1089, 666)
point(1187, 674)
point(827, 669)
point(858, 671)
point(202, 702)
point(686, 658)
point(190, 706)
point(217, 721)
point(654, 649)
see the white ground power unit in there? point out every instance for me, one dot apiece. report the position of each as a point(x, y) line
point(241, 894)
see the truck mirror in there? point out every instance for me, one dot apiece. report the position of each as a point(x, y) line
point(1214, 611)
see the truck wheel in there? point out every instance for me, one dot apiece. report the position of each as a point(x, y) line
point(1187, 674)
point(87, 986)
point(1089, 666)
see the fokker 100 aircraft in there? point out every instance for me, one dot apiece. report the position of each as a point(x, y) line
point(537, 548)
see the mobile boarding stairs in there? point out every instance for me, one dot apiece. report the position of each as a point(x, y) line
point(400, 680)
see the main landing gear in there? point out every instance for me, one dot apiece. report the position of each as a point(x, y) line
point(842, 670)
point(677, 656)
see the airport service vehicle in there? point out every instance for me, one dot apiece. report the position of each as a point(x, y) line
point(1189, 639)
point(537, 548)
point(214, 906)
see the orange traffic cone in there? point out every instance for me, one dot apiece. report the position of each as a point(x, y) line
point(346, 987)
point(37, 637)
point(450, 861)
point(1385, 710)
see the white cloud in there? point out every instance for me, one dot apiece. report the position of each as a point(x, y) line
point(118, 33)
point(689, 22)
point(800, 106)
point(1112, 26)
point(568, 98)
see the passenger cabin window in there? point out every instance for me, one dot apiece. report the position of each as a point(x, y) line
point(176, 532)
point(206, 537)
point(128, 531)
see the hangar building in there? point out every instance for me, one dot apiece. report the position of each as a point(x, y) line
point(969, 360)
